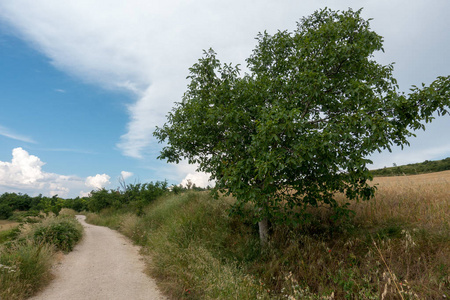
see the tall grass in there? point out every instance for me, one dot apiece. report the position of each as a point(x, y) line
point(397, 247)
point(24, 269)
point(26, 258)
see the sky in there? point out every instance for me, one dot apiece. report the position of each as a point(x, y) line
point(84, 83)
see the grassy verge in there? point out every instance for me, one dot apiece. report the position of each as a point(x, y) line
point(27, 254)
point(397, 247)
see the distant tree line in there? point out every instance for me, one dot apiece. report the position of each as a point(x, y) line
point(10, 202)
point(417, 168)
point(130, 196)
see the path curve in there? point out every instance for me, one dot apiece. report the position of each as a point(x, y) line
point(104, 265)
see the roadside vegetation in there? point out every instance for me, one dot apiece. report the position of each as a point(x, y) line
point(33, 230)
point(28, 250)
point(396, 246)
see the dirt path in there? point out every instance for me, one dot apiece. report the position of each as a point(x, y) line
point(104, 265)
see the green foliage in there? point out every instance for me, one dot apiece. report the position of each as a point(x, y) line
point(297, 128)
point(63, 233)
point(413, 169)
point(99, 200)
point(177, 189)
point(134, 196)
point(5, 211)
point(10, 202)
point(78, 204)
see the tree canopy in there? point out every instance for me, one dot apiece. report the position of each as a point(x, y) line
point(299, 126)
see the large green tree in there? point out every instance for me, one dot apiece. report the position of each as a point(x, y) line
point(299, 126)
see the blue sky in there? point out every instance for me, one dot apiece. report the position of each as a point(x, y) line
point(83, 84)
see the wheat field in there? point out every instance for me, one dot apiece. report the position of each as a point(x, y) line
point(421, 199)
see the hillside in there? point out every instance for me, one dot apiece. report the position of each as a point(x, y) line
point(413, 169)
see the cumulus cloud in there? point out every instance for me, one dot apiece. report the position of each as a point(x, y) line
point(98, 181)
point(24, 169)
point(125, 174)
point(199, 179)
point(24, 173)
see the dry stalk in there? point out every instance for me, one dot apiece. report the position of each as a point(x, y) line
point(389, 269)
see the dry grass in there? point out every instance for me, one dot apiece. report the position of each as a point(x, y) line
point(67, 212)
point(6, 225)
point(416, 199)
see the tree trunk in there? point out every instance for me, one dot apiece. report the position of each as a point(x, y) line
point(264, 231)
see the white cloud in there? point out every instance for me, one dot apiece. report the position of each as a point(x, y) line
point(24, 174)
point(199, 179)
point(98, 181)
point(146, 47)
point(125, 174)
point(24, 169)
point(84, 194)
point(12, 135)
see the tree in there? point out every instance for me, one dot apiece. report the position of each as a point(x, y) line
point(297, 128)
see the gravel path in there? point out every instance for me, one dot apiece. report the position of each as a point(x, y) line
point(104, 265)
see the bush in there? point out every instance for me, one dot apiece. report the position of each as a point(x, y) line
point(63, 233)
point(5, 211)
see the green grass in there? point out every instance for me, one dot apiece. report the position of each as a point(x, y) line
point(397, 247)
point(27, 254)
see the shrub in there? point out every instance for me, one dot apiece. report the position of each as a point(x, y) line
point(63, 233)
point(5, 211)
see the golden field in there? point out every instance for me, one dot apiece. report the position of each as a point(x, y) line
point(421, 199)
